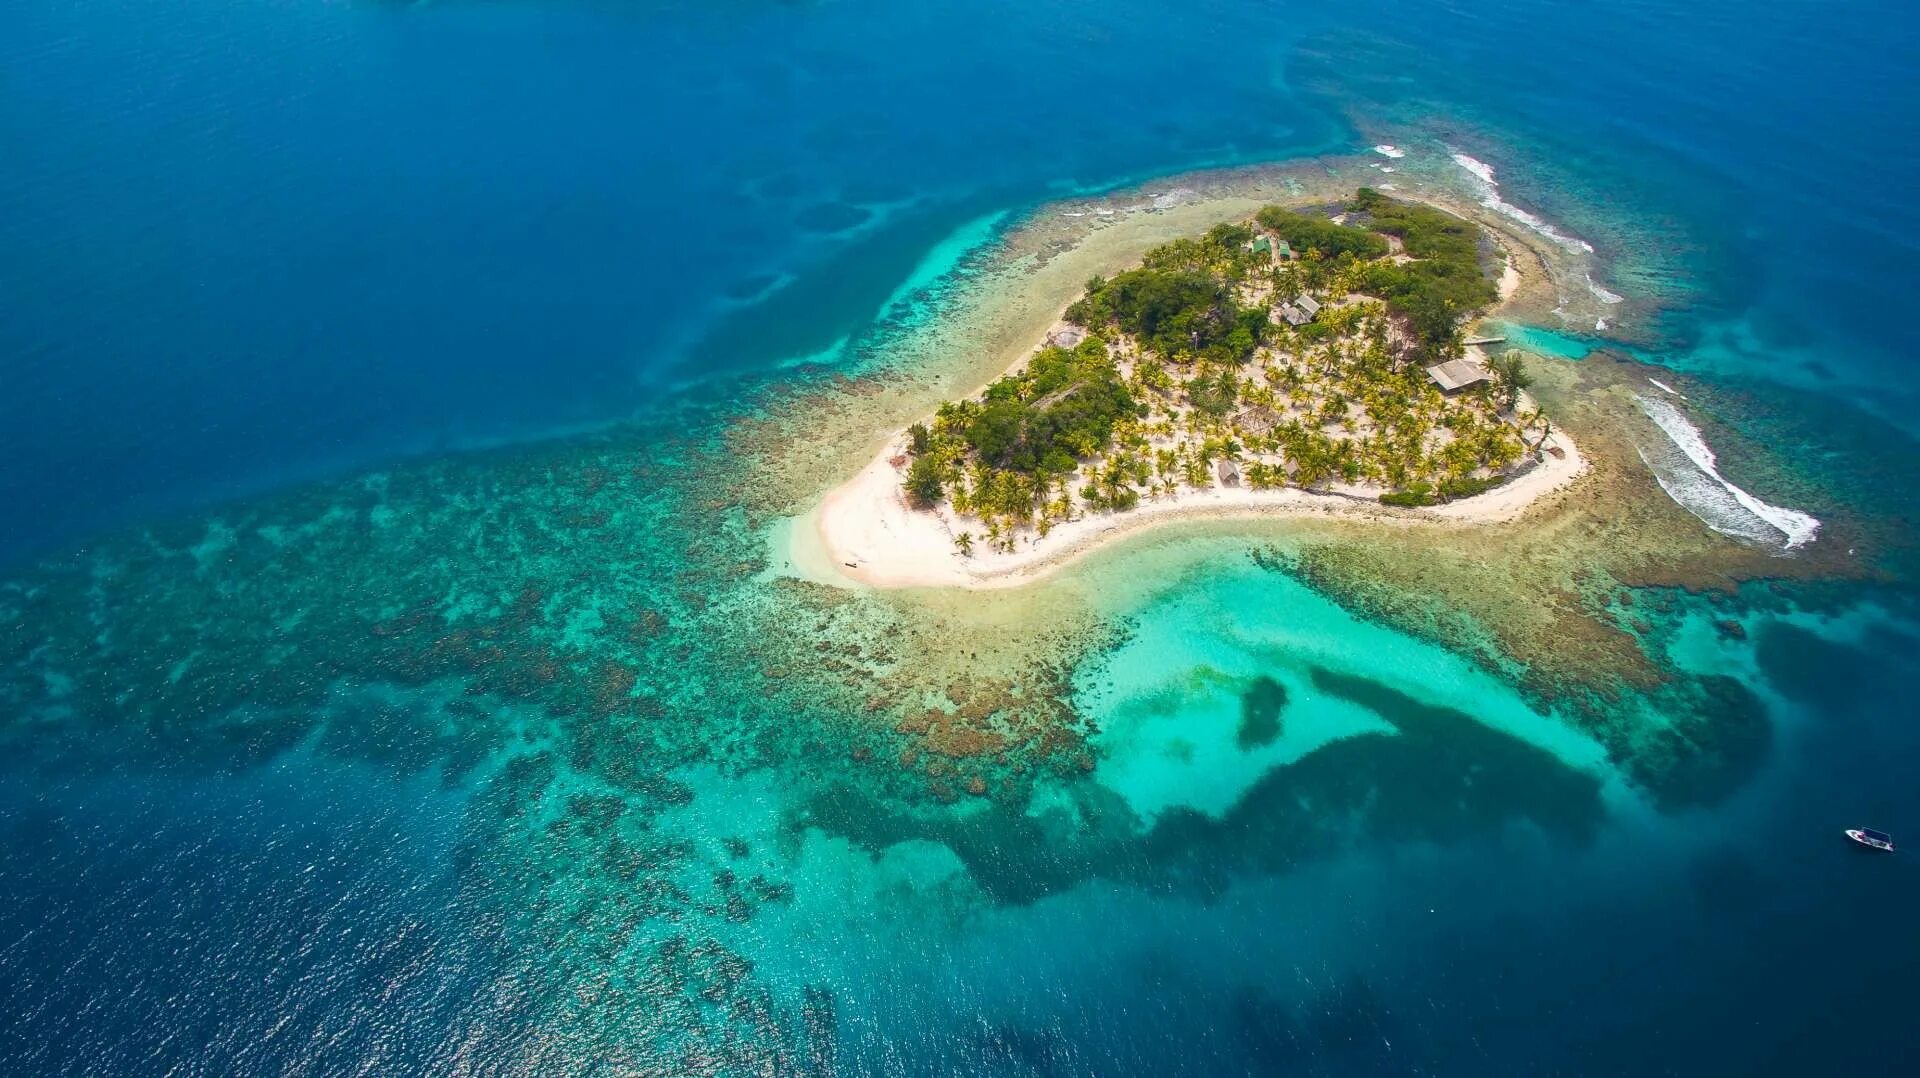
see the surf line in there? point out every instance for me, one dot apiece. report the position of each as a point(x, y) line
point(1710, 496)
point(1489, 190)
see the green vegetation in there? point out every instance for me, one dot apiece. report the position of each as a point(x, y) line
point(1319, 236)
point(1180, 305)
point(1185, 368)
point(1416, 494)
point(1511, 372)
point(1442, 282)
point(1005, 453)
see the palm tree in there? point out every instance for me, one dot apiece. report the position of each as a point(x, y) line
point(1513, 376)
point(965, 542)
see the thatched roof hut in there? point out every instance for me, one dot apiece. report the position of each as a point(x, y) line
point(1257, 420)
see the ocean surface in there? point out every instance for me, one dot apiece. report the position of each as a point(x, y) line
point(387, 683)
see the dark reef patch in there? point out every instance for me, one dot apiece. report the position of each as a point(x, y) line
point(1260, 708)
point(1443, 777)
point(1719, 738)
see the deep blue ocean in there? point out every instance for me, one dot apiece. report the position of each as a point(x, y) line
point(247, 245)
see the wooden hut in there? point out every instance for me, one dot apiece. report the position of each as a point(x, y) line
point(1458, 375)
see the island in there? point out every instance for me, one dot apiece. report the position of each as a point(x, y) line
point(1306, 360)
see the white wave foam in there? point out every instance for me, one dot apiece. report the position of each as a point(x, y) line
point(1179, 196)
point(1490, 198)
point(1602, 294)
point(1662, 385)
point(1385, 150)
point(1690, 475)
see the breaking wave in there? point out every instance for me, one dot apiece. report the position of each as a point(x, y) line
point(1689, 473)
point(1490, 198)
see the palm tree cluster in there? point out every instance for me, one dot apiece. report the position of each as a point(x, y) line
point(1202, 376)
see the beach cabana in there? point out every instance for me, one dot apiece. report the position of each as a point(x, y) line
point(1229, 473)
point(1067, 337)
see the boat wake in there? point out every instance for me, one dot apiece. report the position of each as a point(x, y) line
point(1688, 472)
point(1489, 190)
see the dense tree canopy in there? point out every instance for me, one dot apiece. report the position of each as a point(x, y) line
point(1317, 235)
point(1028, 431)
point(1180, 303)
point(1443, 282)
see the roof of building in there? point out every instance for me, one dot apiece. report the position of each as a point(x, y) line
point(1258, 419)
point(1457, 374)
point(1263, 244)
point(1229, 472)
point(1309, 305)
point(1067, 336)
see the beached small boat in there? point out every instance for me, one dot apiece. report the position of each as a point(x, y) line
point(1867, 836)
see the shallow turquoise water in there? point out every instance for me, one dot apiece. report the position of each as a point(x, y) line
point(523, 761)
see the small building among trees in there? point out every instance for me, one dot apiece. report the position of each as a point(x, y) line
point(1302, 310)
point(1458, 375)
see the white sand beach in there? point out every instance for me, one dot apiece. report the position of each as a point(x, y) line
point(864, 531)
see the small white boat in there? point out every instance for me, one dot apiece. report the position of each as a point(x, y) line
point(1867, 836)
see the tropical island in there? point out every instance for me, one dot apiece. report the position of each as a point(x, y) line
point(1305, 360)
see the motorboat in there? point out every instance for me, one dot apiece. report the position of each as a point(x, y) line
point(1867, 836)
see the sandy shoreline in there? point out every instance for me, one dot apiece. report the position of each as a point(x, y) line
point(862, 532)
